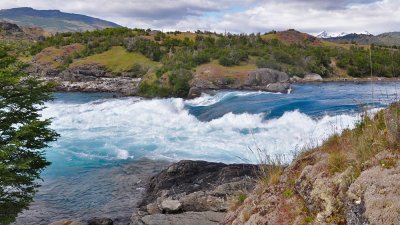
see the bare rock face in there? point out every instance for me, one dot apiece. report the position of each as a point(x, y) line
point(195, 192)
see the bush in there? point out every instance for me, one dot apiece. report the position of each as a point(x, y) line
point(138, 71)
point(234, 57)
point(179, 81)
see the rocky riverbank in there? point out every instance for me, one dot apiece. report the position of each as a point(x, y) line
point(96, 78)
point(194, 192)
point(186, 192)
point(351, 179)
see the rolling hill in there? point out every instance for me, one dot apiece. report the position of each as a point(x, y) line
point(53, 20)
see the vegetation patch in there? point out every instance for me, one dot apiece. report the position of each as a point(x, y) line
point(117, 60)
point(388, 163)
point(56, 58)
point(288, 193)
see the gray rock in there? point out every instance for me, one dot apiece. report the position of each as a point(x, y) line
point(265, 76)
point(192, 187)
point(171, 206)
point(187, 177)
point(192, 218)
point(355, 214)
point(295, 79)
point(313, 77)
point(260, 79)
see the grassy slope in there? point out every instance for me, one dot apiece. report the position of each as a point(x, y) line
point(213, 71)
point(117, 59)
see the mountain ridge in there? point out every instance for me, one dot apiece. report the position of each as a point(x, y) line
point(53, 20)
point(365, 38)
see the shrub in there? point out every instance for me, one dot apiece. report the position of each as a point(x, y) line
point(138, 70)
point(179, 81)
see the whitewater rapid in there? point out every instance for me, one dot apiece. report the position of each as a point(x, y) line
point(129, 128)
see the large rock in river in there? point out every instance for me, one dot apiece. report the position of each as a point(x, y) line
point(197, 191)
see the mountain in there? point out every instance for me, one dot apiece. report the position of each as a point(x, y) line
point(53, 20)
point(365, 38)
point(325, 35)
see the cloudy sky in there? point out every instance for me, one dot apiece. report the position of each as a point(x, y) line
point(312, 16)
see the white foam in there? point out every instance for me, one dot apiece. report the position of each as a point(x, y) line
point(164, 129)
point(207, 99)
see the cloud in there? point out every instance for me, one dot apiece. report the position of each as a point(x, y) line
point(331, 4)
point(237, 16)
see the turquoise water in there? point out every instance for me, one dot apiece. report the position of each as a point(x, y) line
point(100, 135)
point(98, 130)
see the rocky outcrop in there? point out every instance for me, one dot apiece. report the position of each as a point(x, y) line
point(308, 193)
point(353, 178)
point(193, 192)
point(91, 78)
point(374, 198)
point(9, 28)
point(260, 79)
point(11, 31)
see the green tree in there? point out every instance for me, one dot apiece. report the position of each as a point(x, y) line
point(23, 136)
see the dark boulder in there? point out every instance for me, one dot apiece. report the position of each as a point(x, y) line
point(190, 176)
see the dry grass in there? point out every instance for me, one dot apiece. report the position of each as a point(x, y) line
point(270, 166)
point(337, 162)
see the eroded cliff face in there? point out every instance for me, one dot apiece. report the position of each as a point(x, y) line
point(351, 179)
